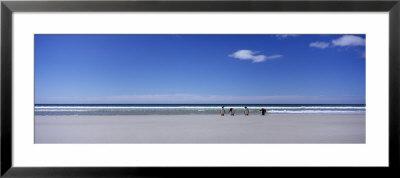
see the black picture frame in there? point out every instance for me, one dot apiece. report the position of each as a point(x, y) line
point(8, 7)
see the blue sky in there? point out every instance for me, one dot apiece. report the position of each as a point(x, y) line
point(153, 69)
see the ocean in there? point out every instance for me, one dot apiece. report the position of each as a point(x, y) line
point(182, 109)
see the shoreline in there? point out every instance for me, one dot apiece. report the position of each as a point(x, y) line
point(215, 114)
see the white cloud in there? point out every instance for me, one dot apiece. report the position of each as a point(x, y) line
point(349, 40)
point(245, 54)
point(319, 44)
point(345, 40)
point(274, 56)
point(259, 58)
point(285, 36)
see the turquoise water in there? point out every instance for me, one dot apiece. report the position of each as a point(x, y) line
point(182, 109)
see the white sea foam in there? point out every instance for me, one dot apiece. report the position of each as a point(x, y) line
point(196, 107)
point(313, 112)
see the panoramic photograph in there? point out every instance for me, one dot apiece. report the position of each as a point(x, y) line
point(200, 89)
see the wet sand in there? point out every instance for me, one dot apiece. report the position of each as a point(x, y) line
point(273, 128)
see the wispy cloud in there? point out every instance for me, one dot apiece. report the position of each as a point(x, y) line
point(319, 44)
point(361, 53)
point(245, 54)
point(283, 36)
point(349, 40)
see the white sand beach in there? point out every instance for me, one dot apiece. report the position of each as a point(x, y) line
point(273, 128)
